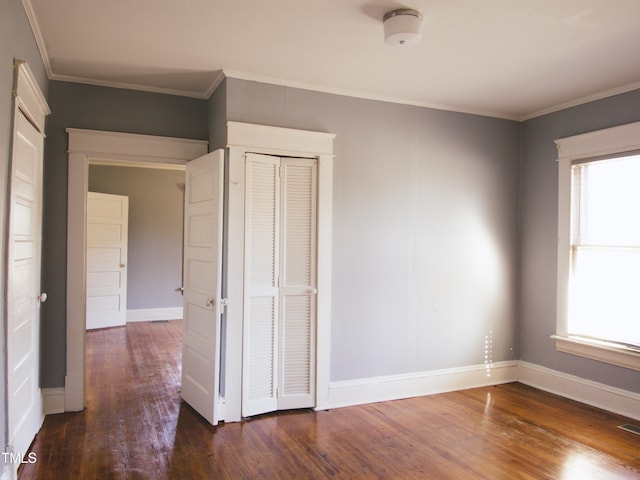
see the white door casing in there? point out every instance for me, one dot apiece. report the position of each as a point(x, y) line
point(107, 235)
point(23, 295)
point(280, 268)
point(203, 303)
point(87, 146)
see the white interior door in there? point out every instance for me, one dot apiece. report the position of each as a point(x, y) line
point(23, 287)
point(107, 233)
point(203, 302)
point(280, 284)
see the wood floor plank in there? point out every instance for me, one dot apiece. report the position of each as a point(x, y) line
point(136, 427)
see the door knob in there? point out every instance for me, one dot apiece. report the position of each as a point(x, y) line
point(42, 297)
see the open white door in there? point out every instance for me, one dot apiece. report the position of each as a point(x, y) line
point(203, 303)
point(107, 227)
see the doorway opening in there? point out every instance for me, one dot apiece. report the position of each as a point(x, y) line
point(91, 146)
point(147, 262)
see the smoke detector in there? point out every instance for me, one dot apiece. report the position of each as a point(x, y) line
point(402, 27)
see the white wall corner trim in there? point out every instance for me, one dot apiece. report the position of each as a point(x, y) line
point(53, 400)
point(393, 387)
point(615, 400)
point(151, 314)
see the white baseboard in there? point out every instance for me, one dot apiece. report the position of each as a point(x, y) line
point(53, 400)
point(615, 400)
point(394, 387)
point(149, 314)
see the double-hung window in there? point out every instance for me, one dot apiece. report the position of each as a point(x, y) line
point(599, 246)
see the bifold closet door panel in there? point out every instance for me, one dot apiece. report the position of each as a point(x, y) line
point(262, 244)
point(298, 285)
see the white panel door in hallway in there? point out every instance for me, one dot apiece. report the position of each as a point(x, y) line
point(280, 284)
point(23, 287)
point(202, 302)
point(107, 230)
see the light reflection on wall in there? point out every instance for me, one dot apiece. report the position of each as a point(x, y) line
point(488, 352)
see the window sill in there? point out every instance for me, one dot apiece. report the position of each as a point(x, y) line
point(602, 351)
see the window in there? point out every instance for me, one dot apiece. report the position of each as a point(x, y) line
point(599, 246)
point(604, 280)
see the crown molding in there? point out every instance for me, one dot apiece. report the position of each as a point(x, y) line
point(361, 94)
point(35, 28)
point(582, 100)
point(128, 86)
point(215, 84)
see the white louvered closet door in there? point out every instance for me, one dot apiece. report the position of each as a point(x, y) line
point(296, 383)
point(280, 272)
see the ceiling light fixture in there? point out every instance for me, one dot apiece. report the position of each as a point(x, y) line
point(402, 27)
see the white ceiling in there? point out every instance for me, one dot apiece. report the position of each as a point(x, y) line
point(506, 58)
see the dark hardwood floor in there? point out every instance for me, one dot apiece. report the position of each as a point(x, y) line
point(136, 427)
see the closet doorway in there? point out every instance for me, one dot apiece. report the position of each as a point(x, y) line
point(277, 272)
point(280, 284)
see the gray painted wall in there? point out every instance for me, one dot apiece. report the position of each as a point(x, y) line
point(217, 109)
point(425, 228)
point(97, 108)
point(16, 41)
point(155, 230)
point(539, 227)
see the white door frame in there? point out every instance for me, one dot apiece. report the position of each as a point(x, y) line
point(243, 138)
point(95, 146)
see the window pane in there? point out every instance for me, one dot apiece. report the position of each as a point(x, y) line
point(605, 294)
point(609, 200)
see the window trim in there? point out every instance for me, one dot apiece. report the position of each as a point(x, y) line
point(610, 141)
